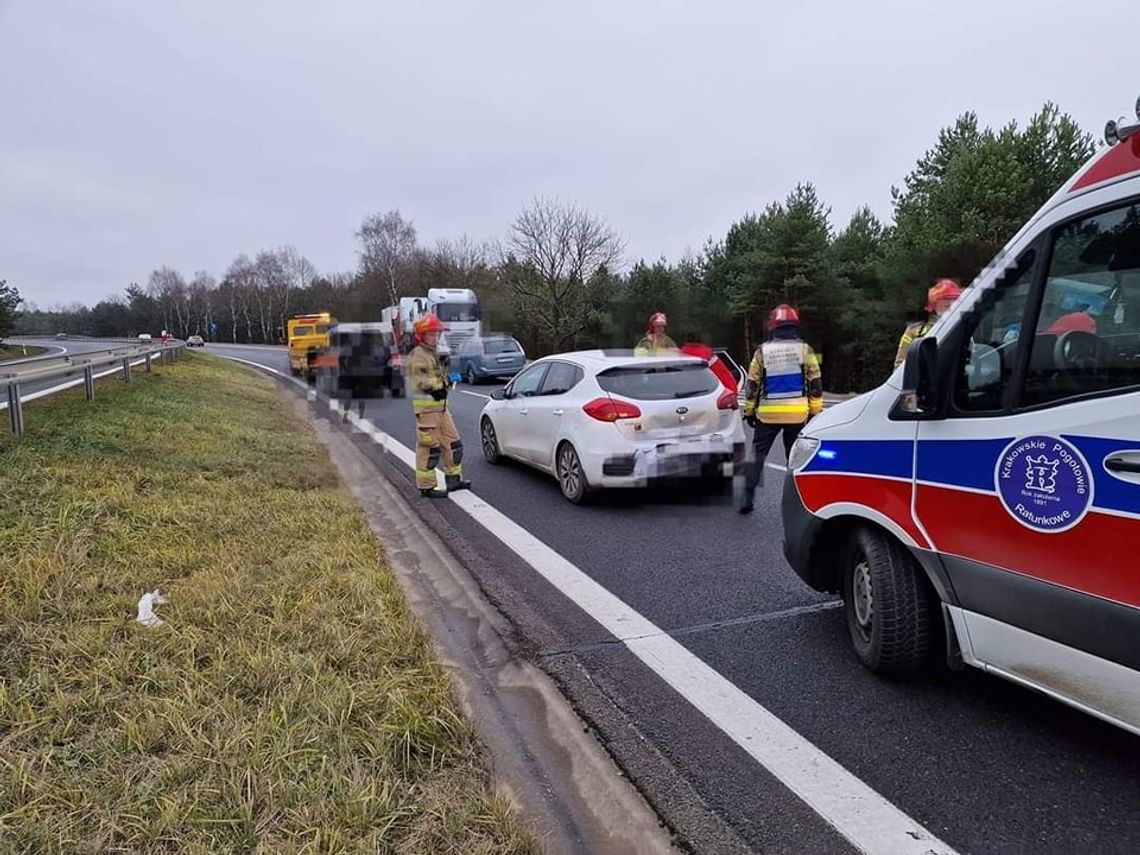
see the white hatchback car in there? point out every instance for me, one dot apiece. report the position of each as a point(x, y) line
point(611, 419)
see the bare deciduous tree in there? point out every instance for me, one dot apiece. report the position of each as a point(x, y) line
point(243, 281)
point(202, 296)
point(271, 289)
point(168, 289)
point(299, 275)
point(553, 260)
point(463, 262)
point(387, 250)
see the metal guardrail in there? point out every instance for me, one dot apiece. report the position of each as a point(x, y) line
point(13, 376)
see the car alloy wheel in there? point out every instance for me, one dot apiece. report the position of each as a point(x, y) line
point(571, 478)
point(490, 442)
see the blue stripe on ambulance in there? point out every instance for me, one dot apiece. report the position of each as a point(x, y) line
point(1109, 492)
point(888, 458)
point(960, 462)
point(967, 464)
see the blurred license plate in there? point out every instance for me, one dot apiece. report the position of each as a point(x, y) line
point(675, 464)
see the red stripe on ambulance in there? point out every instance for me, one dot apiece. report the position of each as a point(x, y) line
point(1122, 159)
point(886, 496)
point(1097, 556)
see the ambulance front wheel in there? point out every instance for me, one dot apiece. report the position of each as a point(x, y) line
point(889, 604)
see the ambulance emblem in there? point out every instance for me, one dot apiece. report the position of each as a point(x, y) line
point(1044, 483)
point(1041, 474)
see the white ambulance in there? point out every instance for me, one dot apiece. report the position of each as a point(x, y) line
point(985, 501)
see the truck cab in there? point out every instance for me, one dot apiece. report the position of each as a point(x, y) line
point(984, 502)
point(307, 337)
point(460, 312)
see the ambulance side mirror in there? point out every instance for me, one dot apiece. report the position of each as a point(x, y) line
point(919, 399)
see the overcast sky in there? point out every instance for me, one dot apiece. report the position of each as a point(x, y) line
point(136, 133)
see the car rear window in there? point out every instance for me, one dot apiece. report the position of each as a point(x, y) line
point(500, 345)
point(659, 382)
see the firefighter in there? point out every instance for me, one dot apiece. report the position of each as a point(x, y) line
point(436, 435)
point(656, 341)
point(939, 299)
point(783, 391)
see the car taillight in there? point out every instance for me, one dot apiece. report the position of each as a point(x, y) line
point(727, 401)
point(609, 410)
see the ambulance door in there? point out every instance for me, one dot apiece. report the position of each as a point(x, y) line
point(1030, 488)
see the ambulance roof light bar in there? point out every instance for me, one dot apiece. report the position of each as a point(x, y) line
point(1117, 131)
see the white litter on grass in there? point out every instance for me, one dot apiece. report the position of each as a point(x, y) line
point(147, 602)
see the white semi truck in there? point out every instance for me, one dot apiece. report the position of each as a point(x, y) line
point(457, 308)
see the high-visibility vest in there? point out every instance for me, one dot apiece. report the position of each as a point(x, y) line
point(654, 345)
point(911, 334)
point(426, 374)
point(783, 397)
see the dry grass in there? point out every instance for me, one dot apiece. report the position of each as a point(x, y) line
point(289, 704)
point(16, 351)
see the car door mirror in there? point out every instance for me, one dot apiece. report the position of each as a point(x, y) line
point(499, 394)
point(919, 398)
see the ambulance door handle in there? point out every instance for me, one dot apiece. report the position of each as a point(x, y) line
point(523, 412)
point(1124, 463)
point(558, 412)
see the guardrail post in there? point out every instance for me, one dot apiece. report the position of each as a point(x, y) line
point(127, 370)
point(89, 382)
point(15, 409)
point(148, 362)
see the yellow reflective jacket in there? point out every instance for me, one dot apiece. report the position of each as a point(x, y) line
point(655, 345)
point(427, 376)
point(911, 334)
point(784, 385)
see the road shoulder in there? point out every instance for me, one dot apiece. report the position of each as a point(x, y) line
point(564, 781)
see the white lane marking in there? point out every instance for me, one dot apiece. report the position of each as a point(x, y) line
point(866, 819)
point(256, 365)
point(43, 393)
point(262, 347)
point(475, 394)
point(42, 356)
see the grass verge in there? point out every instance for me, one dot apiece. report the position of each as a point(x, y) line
point(290, 703)
point(16, 351)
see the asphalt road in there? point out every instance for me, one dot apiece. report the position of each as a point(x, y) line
point(60, 348)
point(983, 764)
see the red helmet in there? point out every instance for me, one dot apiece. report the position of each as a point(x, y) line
point(657, 318)
point(427, 324)
point(783, 314)
point(943, 289)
